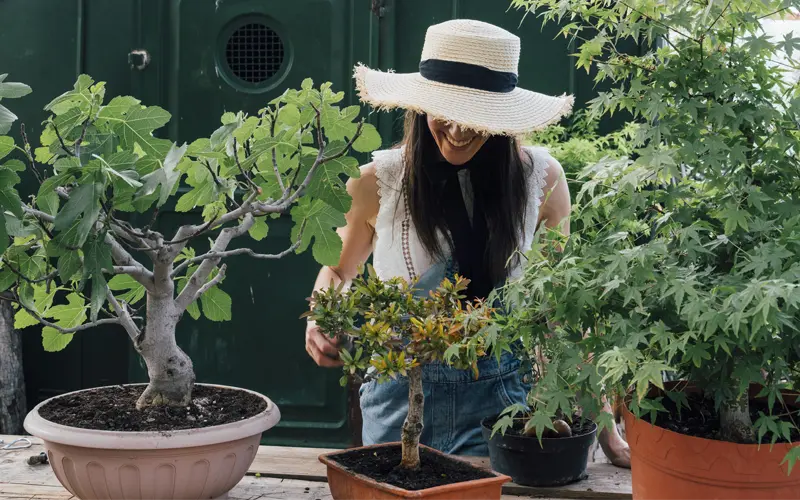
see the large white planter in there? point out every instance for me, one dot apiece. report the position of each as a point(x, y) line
point(186, 464)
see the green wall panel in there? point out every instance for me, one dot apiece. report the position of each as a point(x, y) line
point(47, 43)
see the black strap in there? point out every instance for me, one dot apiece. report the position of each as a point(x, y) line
point(469, 239)
point(467, 75)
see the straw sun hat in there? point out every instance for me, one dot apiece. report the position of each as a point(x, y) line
point(467, 75)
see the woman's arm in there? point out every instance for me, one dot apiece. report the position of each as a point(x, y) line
point(556, 204)
point(356, 237)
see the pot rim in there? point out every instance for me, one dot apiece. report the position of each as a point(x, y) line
point(47, 430)
point(329, 460)
point(545, 439)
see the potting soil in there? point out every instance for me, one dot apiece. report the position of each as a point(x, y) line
point(114, 409)
point(381, 464)
point(702, 420)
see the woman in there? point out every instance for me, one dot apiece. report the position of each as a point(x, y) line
point(458, 194)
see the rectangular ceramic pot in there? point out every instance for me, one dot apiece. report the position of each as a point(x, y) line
point(346, 485)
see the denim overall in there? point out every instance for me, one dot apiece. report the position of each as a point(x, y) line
point(455, 401)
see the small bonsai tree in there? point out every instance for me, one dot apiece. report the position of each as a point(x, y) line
point(688, 262)
point(99, 161)
point(394, 331)
point(564, 384)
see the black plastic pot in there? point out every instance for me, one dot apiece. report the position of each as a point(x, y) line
point(554, 462)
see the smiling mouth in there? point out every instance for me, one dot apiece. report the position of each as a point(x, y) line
point(458, 144)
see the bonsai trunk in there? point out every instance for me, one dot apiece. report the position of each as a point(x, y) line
point(169, 368)
point(12, 381)
point(735, 422)
point(412, 427)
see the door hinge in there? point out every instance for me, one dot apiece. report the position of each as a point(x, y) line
point(378, 8)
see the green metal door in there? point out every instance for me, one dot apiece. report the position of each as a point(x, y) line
point(199, 59)
point(46, 45)
point(210, 57)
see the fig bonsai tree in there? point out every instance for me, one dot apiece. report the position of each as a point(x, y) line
point(74, 262)
point(394, 330)
point(687, 264)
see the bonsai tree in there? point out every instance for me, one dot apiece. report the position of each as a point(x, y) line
point(687, 263)
point(395, 330)
point(75, 262)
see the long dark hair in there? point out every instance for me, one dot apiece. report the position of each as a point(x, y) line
point(502, 187)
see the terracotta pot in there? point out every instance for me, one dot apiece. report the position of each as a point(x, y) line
point(346, 485)
point(669, 465)
point(184, 464)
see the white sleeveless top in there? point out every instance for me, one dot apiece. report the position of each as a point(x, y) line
point(397, 250)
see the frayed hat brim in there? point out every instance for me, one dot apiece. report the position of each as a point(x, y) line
point(514, 113)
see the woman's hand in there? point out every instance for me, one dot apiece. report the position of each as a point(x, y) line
point(322, 349)
point(357, 236)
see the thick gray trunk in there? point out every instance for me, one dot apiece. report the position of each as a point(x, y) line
point(169, 368)
point(735, 422)
point(412, 427)
point(13, 406)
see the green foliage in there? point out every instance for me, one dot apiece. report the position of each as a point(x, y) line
point(686, 261)
point(9, 198)
point(393, 328)
point(99, 160)
point(578, 144)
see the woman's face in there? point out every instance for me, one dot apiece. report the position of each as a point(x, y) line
point(457, 146)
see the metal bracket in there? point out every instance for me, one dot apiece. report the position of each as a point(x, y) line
point(378, 8)
point(139, 59)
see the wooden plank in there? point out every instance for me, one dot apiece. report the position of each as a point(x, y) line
point(604, 481)
point(277, 470)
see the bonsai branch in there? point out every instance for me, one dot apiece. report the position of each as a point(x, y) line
point(60, 329)
point(241, 251)
point(212, 282)
point(185, 233)
point(19, 273)
point(241, 170)
point(199, 277)
point(124, 260)
point(38, 214)
point(124, 316)
point(277, 171)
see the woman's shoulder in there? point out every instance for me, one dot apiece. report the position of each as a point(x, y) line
point(543, 167)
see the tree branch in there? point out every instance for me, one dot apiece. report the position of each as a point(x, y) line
point(38, 213)
point(214, 281)
point(60, 329)
point(123, 259)
point(239, 251)
point(277, 171)
point(61, 140)
point(185, 233)
point(285, 202)
point(199, 277)
point(28, 152)
point(124, 316)
point(29, 280)
point(238, 164)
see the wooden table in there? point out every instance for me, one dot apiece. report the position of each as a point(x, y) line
point(284, 473)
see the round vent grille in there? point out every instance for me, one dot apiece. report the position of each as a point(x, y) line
point(254, 53)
